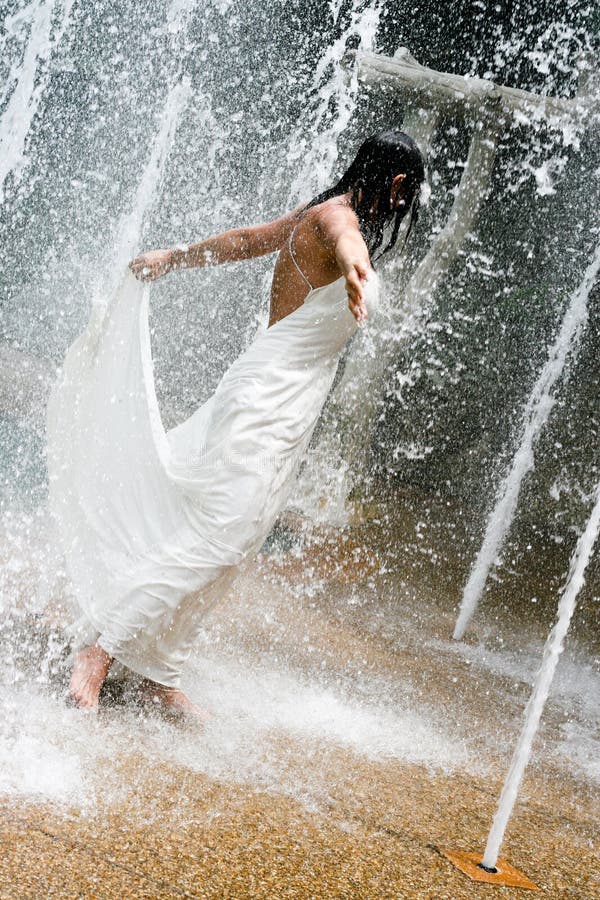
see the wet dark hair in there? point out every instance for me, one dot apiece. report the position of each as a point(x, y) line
point(369, 178)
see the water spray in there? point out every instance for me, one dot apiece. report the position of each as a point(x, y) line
point(431, 96)
point(28, 79)
point(535, 416)
point(68, 426)
point(336, 86)
point(490, 867)
point(487, 103)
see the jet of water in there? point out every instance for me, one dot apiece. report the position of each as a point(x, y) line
point(537, 412)
point(552, 651)
point(336, 89)
point(129, 229)
point(28, 83)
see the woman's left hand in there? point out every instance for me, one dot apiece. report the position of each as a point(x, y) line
point(152, 265)
point(354, 288)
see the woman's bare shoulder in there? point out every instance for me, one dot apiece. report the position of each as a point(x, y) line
point(333, 218)
point(331, 214)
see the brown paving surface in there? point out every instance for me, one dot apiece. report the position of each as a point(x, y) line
point(210, 839)
point(373, 833)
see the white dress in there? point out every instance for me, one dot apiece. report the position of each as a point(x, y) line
point(152, 522)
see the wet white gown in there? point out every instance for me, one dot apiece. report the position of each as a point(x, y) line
point(152, 522)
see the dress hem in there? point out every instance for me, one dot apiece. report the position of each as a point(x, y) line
point(146, 669)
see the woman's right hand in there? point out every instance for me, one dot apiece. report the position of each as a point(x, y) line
point(152, 265)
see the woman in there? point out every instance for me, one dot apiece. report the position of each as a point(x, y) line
point(152, 523)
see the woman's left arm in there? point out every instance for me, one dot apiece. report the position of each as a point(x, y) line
point(229, 246)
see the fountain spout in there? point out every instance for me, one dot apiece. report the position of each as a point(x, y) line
point(490, 867)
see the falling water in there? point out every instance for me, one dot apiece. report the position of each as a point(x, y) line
point(357, 397)
point(178, 15)
point(28, 79)
point(535, 706)
point(315, 144)
point(536, 415)
point(130, 227)
point(127, 240)
point(361, 386)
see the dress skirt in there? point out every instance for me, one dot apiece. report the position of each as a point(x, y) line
point(152, 523)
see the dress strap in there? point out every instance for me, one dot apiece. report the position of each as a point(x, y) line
point(295, 261)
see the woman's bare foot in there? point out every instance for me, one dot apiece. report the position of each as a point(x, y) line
point(173, 702)
point(89, 671)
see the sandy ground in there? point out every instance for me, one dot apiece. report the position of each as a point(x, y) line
point(321, 800)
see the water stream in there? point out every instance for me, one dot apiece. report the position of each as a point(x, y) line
point(537, 411)
point(535, 707)
point(43, 23)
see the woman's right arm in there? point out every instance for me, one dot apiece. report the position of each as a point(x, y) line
point(338, 229)
point(229, 246)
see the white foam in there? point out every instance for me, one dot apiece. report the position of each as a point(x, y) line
point(277, 699)
point(39, 755)
point(266, 723)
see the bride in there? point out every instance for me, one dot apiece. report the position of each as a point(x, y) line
point(153, 523)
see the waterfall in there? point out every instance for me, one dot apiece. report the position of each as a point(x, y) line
point(535, 706)
point(28, 77)
point(536, 413)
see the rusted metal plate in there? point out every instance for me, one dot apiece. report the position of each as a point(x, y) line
point(506, 874)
